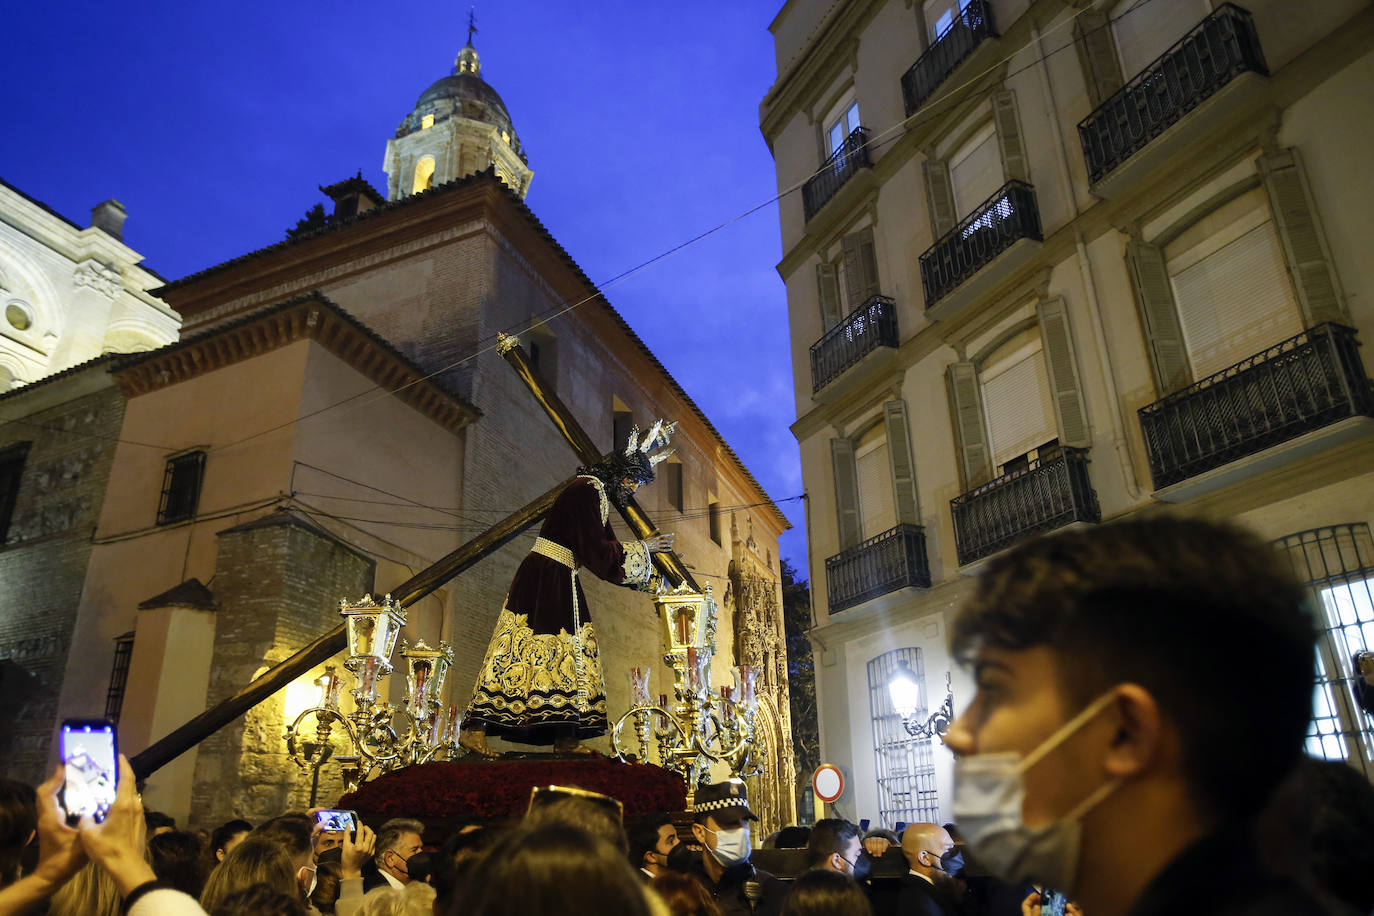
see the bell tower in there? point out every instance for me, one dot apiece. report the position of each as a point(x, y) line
point(459, 126)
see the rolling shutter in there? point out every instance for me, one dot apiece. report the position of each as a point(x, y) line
point(1018, 405)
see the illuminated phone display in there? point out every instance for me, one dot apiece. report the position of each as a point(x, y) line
point(89, 762)
point(334, 820)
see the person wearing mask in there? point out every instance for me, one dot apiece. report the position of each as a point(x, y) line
point(398, 840)
point(721, 816)
point(1116, 747)
point(927, 889)
point(651, 840)
point(836, 844)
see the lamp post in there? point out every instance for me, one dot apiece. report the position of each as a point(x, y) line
point(377, 735)
point(905, 692)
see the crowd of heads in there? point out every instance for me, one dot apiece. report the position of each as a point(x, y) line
point(1142, 690)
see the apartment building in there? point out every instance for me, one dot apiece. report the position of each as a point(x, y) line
point(1057, 262)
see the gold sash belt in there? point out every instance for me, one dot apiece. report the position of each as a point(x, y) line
point(554, 551)
point(562, 555)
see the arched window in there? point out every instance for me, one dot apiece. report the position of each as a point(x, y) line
point(424, 175)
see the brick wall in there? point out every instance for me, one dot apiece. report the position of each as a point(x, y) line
point(278, 582)
point(43, 564)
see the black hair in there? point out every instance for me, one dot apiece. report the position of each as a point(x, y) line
point(829, 836)
point(178, 861)
point(18, 821)
point(457, 856)
point(226, 832)
point(822, 892)
point(552, 869)
point(643, 836)
point(293, 832)
point(792, 837)
point(156, 819)
point(1166, 603)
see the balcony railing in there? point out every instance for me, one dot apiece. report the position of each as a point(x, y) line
point(884, 563)
point(1298, 386)
point(842, 165)
point(1219, 49)
point(1002, 219)
point(1047, 494)
point(971, 25)
point(868, 327)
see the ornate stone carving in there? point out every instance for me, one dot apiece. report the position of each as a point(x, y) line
point(94, 275)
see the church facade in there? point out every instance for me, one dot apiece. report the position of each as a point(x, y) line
point(335, 417)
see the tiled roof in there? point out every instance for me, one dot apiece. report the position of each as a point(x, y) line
point(190, 593)
point(354, 183)
point(65, 373)
point(489, 176)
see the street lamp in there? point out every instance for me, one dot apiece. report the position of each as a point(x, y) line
point(905, 691)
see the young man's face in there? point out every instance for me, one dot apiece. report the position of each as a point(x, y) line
point(667, 839)
point(1019, 703)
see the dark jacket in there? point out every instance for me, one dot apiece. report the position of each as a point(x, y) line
point(732, 893)
point(1221, 875)
point(918, 897)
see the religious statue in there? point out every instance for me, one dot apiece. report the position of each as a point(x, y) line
point(540, 682)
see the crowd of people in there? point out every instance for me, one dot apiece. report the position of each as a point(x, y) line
point(1134, 747)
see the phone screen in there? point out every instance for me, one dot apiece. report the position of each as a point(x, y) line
point(1054, 904)
point(88, 758)
point(331, 821)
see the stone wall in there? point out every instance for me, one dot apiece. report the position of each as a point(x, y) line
point(43, 564)
point(278, 581)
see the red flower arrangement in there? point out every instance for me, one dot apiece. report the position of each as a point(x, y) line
point(502, 788)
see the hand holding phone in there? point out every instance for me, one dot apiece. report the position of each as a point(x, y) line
point(333, 820)
point(90, 768)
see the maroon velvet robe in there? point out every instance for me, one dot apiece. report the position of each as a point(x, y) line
point(544, 645)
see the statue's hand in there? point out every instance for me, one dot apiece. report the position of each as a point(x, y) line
point(660, 543)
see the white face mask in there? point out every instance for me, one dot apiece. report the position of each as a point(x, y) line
point(732, 846)
point(989, 790)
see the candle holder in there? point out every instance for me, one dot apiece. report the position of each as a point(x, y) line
point(704, 725)
point(377, 736)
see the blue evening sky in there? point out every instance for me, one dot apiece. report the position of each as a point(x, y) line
point(214, 122)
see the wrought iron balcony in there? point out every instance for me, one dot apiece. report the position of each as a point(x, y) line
point(868, 327)
point(1298, 386)
point(997, 223)
point(1219, 49)
point(971, 25)
point(883, 563)
point(1047, 494)
point(842, 165)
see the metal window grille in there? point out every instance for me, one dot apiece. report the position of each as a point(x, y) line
point(181, 488)
point(119, 676)
point(1338, 564)
point(905, 765)
point(11, 470)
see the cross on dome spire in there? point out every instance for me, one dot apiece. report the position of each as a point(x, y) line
point(468, 61)
point(472, 23)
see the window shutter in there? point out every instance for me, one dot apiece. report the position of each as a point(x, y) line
point(1155, 297)
point(829, 293)
point(903, 467)
point(1014, 165)
point(867, 265)
point(966, 406)
point(1066, 388)
point(1096, 46)
point(1017, 403)
point(1309, 262)
point(853, 271)
point(939, 196)
point(846, 492)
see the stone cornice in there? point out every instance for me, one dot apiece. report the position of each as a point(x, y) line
point(310, 317)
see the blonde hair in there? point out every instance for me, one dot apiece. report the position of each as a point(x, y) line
point(254, 861)
point(90, 892)
point(416, 899)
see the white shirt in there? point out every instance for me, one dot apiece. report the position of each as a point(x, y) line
point(924, 877)
point(393, 881)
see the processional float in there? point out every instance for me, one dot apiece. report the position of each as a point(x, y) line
point(699, 727)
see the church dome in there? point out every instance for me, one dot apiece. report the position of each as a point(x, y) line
point(462, 94)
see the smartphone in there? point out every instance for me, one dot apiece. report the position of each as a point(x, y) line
point(1053, 903)
point(335, 820)
point(90, 766)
